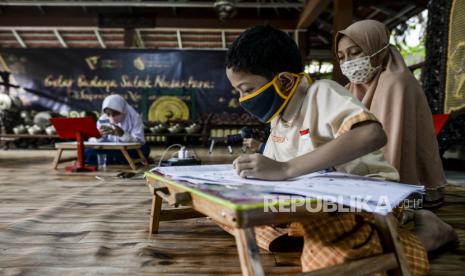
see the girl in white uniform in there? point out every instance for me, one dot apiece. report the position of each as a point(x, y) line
point(119, 123)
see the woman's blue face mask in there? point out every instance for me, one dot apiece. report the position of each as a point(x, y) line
point(269, 100)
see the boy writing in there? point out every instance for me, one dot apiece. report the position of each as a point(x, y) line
point(314, 126)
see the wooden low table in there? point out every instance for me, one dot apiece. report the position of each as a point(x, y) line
point(242, 218)
point(123, 147)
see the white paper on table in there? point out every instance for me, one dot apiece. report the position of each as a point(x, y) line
point(321, 185)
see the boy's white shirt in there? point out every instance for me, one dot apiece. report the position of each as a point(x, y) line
point(328, 110)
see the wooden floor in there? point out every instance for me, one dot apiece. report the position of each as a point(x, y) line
point(56, 223)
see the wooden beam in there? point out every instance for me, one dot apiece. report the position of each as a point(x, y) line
point(99, 38)
point(215, 23)
point(41, 9)
point(320, 54)
point(223, 39)
point(324, 25)
point(17, 20)
point(342, 19)
point(145, 4)
point(60, 38)
point(312, 10)
point(178, 35)
point(400, 14)
point(19, 39)
point(323, 39)
point(161, 22)
point(140, 41)
point(301, 38)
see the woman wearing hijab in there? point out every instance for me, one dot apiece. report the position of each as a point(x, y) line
point(119, 123)
point(380, 79)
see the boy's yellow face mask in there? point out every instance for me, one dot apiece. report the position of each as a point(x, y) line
point(269, 100)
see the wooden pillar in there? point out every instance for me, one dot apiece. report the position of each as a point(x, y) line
point(129, 38)
point(342, 18)
point(307, 17)
point(301, 39)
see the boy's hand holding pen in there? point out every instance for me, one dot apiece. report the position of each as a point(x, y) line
point(261, 167)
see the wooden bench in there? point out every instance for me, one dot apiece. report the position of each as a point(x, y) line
point(5, 139)
point(123, 147)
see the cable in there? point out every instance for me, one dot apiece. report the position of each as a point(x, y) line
point(166, 150)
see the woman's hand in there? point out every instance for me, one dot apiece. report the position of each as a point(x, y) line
point(259, 166)
point(111, 130)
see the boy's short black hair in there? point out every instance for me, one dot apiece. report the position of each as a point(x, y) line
point(264, 51)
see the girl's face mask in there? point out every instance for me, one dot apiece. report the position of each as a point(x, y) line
point(360, 70)
point(269, 100)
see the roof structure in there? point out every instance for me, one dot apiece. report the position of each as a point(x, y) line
point(182, 24)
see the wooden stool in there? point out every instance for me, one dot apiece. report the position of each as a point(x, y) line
point(123, 147)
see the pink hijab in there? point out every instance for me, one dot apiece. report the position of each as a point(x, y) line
point(396, 98)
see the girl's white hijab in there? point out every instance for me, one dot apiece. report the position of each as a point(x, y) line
point(118, 103)
point(115, 102)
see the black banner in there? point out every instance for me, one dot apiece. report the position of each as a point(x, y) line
point(75, 80)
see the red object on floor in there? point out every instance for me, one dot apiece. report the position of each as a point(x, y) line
point(79, 129)
point(439, 121)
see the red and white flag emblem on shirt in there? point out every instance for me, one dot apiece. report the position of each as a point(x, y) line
point(305, 134)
